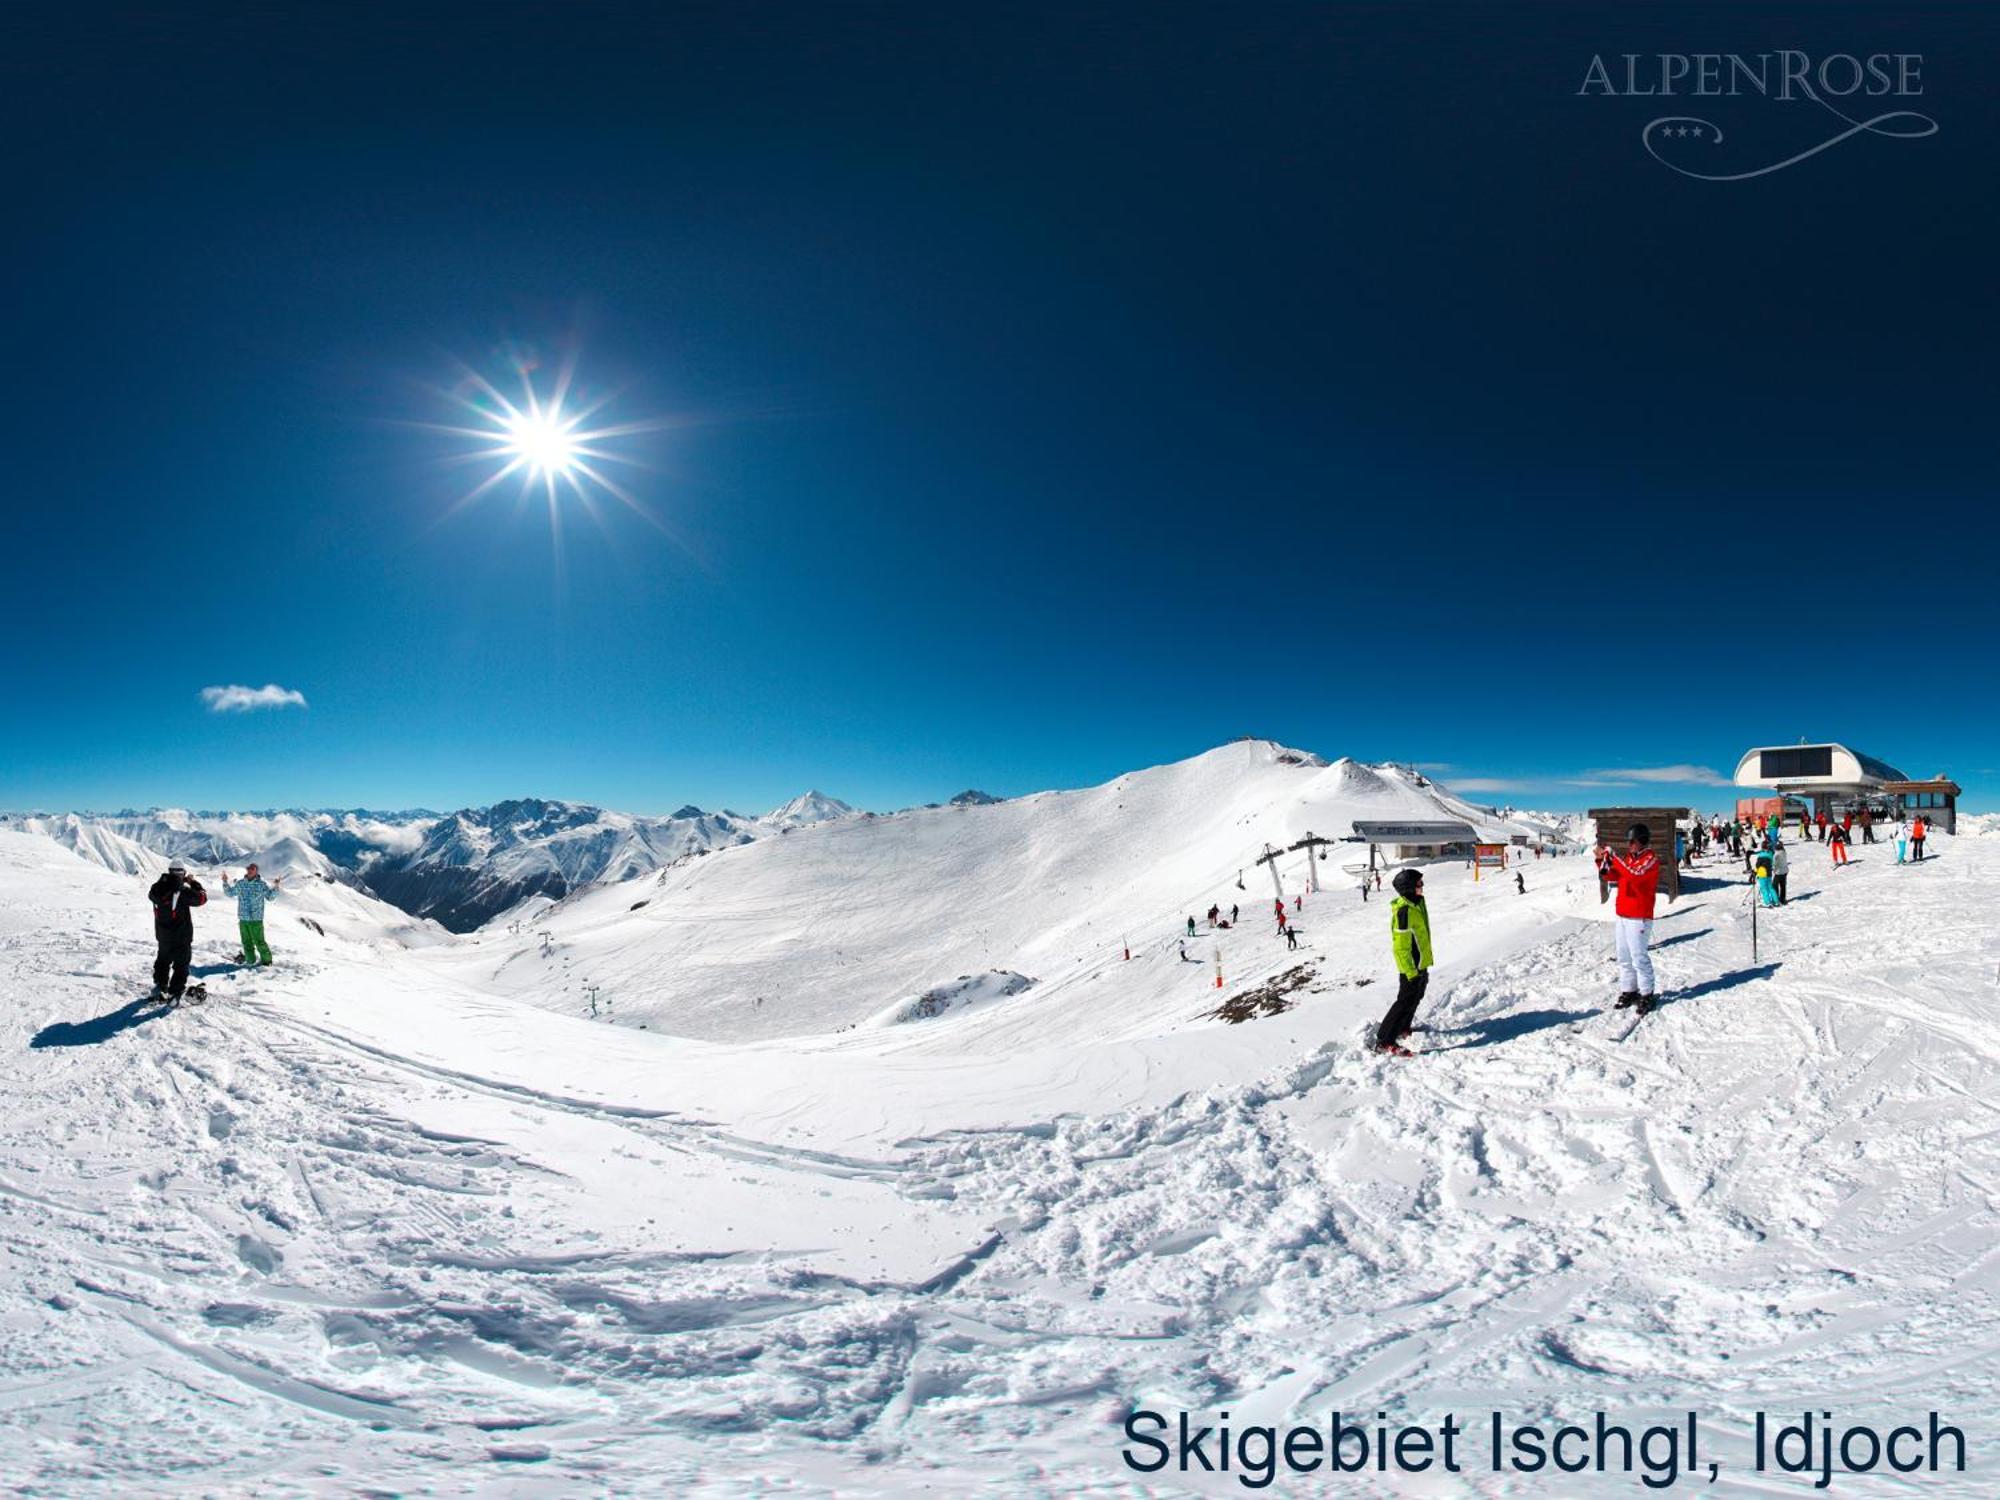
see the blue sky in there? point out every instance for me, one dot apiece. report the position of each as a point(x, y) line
point(1045, 392)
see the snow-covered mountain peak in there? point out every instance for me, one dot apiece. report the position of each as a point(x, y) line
point(1264, 752)
point(807, 809)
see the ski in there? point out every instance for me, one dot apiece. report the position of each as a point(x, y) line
point(1638, 1015)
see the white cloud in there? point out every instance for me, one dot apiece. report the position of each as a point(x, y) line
point(1606, 776)
point(1642, 775)
point(237, 699)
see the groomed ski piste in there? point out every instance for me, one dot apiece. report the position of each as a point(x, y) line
point(827, 1198)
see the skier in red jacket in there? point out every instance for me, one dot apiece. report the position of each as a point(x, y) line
point(1636, 873)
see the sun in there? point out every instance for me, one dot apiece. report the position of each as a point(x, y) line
point(549, 439)
point(543, 441)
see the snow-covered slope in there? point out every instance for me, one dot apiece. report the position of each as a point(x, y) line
point(363, 1224)
point(513, 859)
point(828, 926)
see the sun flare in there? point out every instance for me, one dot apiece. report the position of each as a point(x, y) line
point(549, 441)
point(543, 441)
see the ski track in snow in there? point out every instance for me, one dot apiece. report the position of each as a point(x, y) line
point(265, 1246)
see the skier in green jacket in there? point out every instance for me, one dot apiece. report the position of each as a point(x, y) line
point(251, 893)
point(1410, 941)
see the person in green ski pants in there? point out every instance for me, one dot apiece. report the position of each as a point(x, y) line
point(251, 893)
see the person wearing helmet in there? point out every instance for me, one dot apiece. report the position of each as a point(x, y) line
point(1410, 941)
point(251, 893)
point(174, 895)
point(1636, 873)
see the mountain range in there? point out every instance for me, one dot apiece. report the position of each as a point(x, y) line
point(466, 868)
point(461, 869)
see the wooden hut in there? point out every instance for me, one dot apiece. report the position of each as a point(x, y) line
point(1660, 821)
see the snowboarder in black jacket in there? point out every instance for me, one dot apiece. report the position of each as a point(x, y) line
point(174, 895)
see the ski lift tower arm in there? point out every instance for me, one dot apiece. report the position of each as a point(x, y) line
point(1313, 844)
point(1270, 857)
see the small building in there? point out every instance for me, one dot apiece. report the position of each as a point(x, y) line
point(1935, 801)
point(1661, 822)
point(1414, 840)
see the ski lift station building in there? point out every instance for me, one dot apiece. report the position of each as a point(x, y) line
point(1837, 780)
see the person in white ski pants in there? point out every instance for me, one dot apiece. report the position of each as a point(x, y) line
point(1636, 873)
point(1635, 964)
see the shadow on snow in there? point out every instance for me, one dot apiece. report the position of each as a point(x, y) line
point(1685, 937)
point(1727, 981)
point(100, 1028)
point(1695, 885)
point(1507, 1028)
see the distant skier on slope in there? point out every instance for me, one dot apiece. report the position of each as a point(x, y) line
point(1637, 875)
point(1917, 831)
point(174, 895)
point(1902, 841)
point(1410, 941)
point(1781, 867)
point(251, 893)
point(1836, 841)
